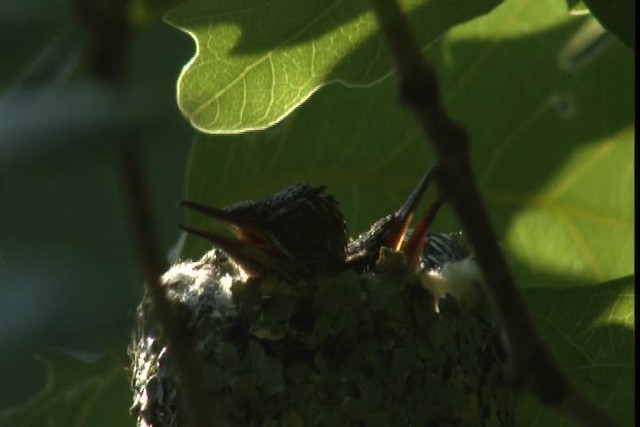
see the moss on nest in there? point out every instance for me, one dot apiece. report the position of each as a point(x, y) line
point(346, 350)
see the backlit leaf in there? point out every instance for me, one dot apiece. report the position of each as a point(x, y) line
point(552, 148)
point(257, 60)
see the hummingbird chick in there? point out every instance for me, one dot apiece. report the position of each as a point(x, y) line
point(296, 233)
point(391, 230)
point(443, 263)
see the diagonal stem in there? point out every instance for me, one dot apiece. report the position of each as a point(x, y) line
point(531, 366)
point(109, 31)
point(199, 403)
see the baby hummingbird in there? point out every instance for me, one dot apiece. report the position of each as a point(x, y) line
point(296, 233)
point(443, 263)
point(391, 230)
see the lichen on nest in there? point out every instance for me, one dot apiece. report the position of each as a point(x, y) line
point(346, 349)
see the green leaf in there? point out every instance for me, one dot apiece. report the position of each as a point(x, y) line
point(581, 223)
point(618, 16)
point(577, 7)
point(552, 148)
point(82, 389)
point(257, 60)
point(591, 332)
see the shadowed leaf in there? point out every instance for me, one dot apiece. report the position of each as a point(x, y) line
point(591, 331)
point(619, 17)
point(552, 147)
point(82, 389)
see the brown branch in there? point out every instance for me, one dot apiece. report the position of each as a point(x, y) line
point(109, 29)
point(199, 403)
point(531, 365)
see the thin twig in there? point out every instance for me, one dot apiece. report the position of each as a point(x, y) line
point(109, 29)
point(531, 365)
point(199, 404)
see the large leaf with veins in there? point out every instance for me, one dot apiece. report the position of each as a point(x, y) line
point(552, 147)
point(257, 60)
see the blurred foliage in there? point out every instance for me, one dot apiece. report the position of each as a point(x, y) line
point(619, 17)
point(82, 389)
point(546, 97)
point(68, 276)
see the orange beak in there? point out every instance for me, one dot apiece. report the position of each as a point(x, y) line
point(391, 231)
point(253, 248)
point(413, 248)
point(400, 223)
point(397, 231)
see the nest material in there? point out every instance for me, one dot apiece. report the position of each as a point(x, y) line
point(352, 349)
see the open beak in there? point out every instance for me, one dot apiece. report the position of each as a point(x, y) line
point(390, 231)
point(246, 231)
point(252, 248)
point(399, 225)
point(413, 248)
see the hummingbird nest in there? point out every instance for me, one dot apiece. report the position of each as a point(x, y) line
point(351, 349)
point(297, 326)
